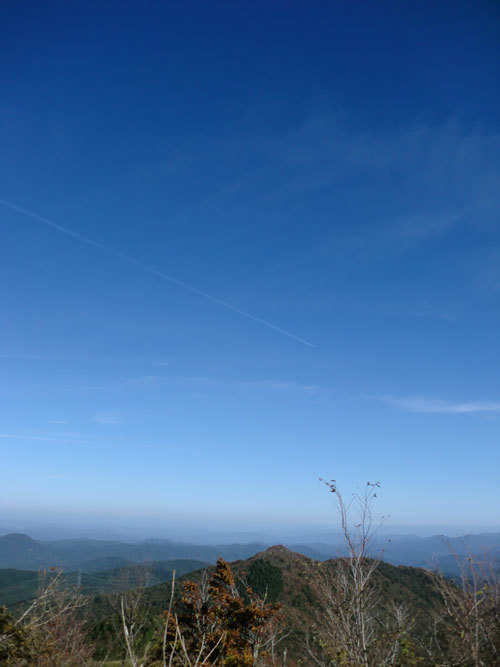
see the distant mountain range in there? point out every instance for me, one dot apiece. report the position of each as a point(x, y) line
point(436, 552)
point(20, 551)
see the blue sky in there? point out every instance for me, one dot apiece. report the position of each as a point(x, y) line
point(330, 170)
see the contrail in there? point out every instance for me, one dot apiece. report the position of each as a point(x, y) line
point(150, 269)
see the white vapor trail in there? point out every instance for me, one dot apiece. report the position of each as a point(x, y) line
point(150, 269)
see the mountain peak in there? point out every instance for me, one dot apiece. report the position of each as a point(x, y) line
point(278, 550)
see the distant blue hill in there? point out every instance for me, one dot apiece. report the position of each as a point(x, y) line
point(89, 555)
point(436, 552)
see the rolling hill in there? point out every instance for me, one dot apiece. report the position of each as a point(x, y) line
point(18, 586)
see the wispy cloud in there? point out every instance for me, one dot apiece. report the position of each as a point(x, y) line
point(281, 385)
point(433, 308)
point(428, 155)
point(486, 268)
point(274, 384)
point(45, 438)
point(109, 418)
point(143, 381)
point(29, 357)
point(447, 174)
point(437, 406)
point(398, 236)
point(88, 441)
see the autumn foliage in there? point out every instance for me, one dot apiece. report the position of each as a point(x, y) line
point(216, 623)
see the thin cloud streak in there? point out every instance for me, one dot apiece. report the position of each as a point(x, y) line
point(107, 418)
point(44, 438)
point(146, 267)
point(400, 235)
point(437, 406)
point(253, 384)
point(90, 441)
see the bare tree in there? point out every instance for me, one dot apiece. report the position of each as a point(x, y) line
point(132, 614)
point(56, 622)
point(472, 613)
point(355, 626)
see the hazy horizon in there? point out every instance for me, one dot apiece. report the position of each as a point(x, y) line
point(208, 532)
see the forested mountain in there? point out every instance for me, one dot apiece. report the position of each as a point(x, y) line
point(18, 586)
point(278, 606)
point(404, 602)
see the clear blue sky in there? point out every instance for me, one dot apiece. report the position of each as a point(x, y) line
point(329, 168)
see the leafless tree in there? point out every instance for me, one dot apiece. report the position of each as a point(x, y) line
point(131, 613)
point(355, 626)
point(472, 613)
point(56, 621)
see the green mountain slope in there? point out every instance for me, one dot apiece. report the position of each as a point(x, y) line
point(294, 581)
point(17, 586)
point(21, 552)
